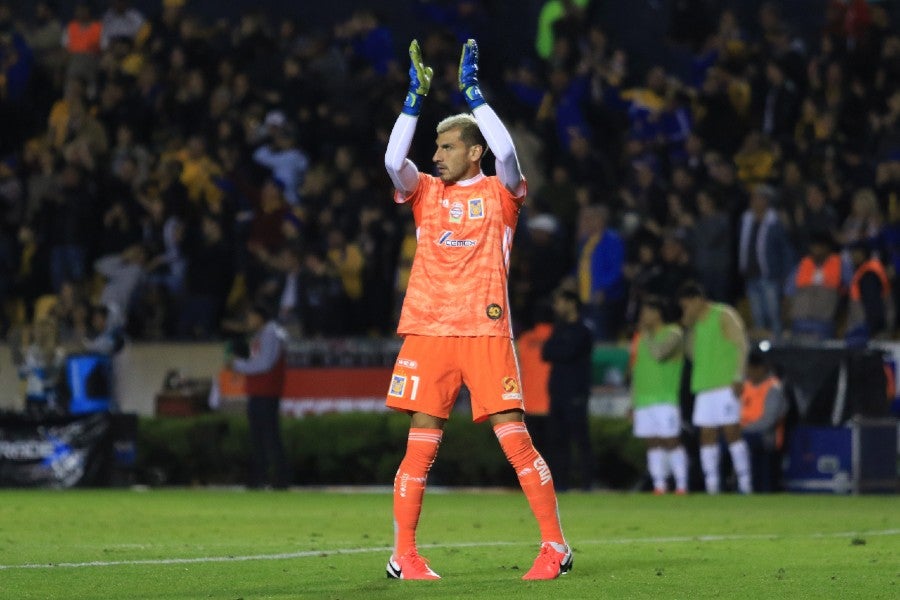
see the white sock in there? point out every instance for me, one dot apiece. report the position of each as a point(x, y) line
point(709, 462)
point(656, 464)
point(561, 548)
point(740, 458)
point(679, 466)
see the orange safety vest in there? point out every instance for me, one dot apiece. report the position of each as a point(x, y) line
point(873, 265)
point(831, 272)
point(535, 371)
point(753, 405)
point(84, 39)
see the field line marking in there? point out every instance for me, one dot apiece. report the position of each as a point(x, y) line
point(338, 551)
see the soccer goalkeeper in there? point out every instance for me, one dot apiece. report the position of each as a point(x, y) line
point(455, 319)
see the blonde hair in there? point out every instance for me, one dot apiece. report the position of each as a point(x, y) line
point(469, 132)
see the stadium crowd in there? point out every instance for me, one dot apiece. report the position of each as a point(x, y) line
point(175, 168)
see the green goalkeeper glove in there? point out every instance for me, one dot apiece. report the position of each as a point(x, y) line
point(468, 75)
point(419, 81)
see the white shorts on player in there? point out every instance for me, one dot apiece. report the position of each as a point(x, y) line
point(657, 421)
point(716, 408)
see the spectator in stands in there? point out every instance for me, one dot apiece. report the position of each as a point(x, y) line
point(105, 334)
point(641, 272)
point(12, 194)
point(207, 280)
point(322, 296)
point(815, 289)
point(723, 100)
point(815, 216)
point(649, 194)
point(865, 220)
point(65, 226)
point(16, 77)
point(870, 311)
point(711, 245)
point(601, 283)
point(120, 226)
point(347, 260)
point(552, 13)
point(286, 161)
point(542, 263)
point(755, 160)
point(70, 312)
point(378, 241)
point(82, 40)
point(82, 140)
point(676, 270)
point(561, 196)
point(123, 21)
point(766, 257)
point(763, 409)
point(44, 34)
point(781, 103)
point(125, 273)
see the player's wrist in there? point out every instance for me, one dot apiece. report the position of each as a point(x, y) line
point(412, 105)
point(474, 97)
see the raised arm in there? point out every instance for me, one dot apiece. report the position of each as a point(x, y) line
point(403, 172)
point(667, 346)
point(495, 133)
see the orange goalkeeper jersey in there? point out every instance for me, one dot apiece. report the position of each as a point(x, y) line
point(458, 283)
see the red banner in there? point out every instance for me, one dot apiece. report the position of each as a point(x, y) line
point(320, 390)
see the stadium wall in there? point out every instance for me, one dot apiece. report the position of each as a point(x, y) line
point(140, 371)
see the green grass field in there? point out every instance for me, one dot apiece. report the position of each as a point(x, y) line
point(118, 544)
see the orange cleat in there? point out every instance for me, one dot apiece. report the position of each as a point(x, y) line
point(410, 566)
point(550, 563)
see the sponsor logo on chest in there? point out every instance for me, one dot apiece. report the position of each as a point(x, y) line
point(447, 240)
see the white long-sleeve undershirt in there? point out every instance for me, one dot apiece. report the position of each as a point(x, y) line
point(405, 175)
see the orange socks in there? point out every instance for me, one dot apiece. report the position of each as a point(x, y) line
point(534, 477)
point(409, 486)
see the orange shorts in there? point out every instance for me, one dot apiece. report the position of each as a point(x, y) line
point(430, 371)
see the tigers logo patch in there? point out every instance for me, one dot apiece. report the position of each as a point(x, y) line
point(398, 386)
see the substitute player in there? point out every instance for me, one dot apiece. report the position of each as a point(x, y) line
point(718, 345)
point(455, 318)
point(655, 387)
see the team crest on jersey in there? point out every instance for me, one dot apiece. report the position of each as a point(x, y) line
point(476, 208)
point(511, 387)
point(494, 311)
point(456, 212)
point(398, 386)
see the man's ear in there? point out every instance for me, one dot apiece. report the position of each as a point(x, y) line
point(476, 152)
